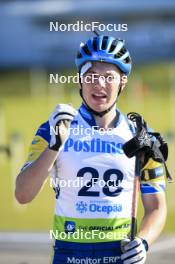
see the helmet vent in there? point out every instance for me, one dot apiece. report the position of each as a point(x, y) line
point(120, 53)
point(79, 55)
point(94, 44)
point(86, 50)
point(127, 60)
point(104, 43)
point(113, 46)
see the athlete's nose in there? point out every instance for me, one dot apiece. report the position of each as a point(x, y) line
point(101, 81)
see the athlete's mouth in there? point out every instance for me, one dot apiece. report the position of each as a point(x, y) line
point(99, 96)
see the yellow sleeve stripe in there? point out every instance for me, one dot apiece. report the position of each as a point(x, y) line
point(37, 146)
point(153, 172)
point(151, 164)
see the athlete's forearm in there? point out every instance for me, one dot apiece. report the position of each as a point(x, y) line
point(153, 223)
point(31, 179)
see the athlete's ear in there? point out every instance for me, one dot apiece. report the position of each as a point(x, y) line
point(80, 90)
point(80, 82)
point(123, 81)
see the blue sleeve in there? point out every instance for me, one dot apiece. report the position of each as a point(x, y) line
point(44, 131)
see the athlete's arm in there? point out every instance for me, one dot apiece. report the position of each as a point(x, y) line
point(31, 179)
point(154, 201)
point(44, 151)
point(155, 212)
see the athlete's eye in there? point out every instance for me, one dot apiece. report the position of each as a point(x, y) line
point(95, 78)
point(109, 78)
point(88, 78)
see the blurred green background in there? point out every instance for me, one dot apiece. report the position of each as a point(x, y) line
point(27, 99)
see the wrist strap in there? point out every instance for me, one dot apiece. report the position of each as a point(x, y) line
point(145, 243)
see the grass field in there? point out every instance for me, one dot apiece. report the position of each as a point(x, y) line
point(25, 108)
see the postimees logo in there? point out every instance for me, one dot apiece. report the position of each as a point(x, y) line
point(94, 145)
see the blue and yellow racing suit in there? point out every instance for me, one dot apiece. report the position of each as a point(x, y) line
point(92, 218)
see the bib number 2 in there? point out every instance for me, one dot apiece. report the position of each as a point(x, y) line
point(110, 187)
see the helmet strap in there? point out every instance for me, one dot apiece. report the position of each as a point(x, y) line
point(120, 90)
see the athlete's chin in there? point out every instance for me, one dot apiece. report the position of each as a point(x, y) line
point(99, 107)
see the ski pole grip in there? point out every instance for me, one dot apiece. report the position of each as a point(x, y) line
point(131, 147)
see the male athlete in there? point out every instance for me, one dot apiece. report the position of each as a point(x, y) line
point(92, 218)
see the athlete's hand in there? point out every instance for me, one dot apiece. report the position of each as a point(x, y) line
point(59, 122)
point(134, 251)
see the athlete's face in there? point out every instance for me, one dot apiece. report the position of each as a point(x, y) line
point(101, 85)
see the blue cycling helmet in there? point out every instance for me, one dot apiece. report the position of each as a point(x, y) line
point(105, 49)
